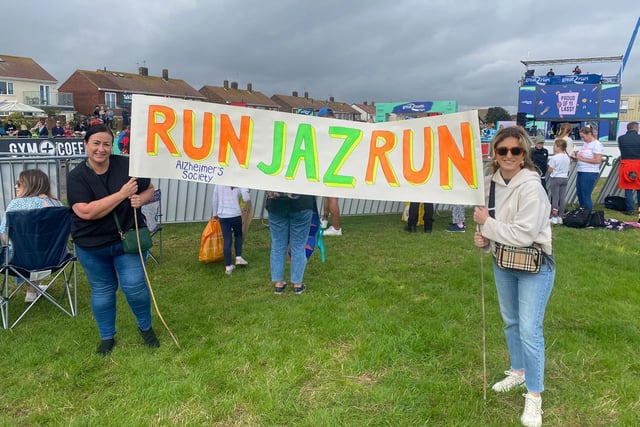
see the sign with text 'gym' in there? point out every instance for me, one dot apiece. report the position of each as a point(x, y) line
point(434, 159)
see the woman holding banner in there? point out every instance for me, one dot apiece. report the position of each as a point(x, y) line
point(99, 190)
point(518, 216)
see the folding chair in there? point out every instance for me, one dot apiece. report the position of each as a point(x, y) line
point(152, 212)
point(38, 255)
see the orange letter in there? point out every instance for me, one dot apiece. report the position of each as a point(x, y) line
point(188, 141)
point(160, 130)
point(241, 145)
point(378, 155)
point(450, 156)
point(420, 176)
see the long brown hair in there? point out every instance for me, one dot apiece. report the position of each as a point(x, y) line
point(34, 182)
point(565, 129)
point(523, 140)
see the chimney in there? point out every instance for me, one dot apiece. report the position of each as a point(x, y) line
point(331, 99)
point(225, 84)
point(295, 93)
point(249, 87)
point(364, 102)
point(306, 95)
point(234, 85)
point(165, 74)
point(143, 71)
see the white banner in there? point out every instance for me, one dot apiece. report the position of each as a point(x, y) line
point(434, 159)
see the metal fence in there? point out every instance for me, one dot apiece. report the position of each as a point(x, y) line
point(184, 201)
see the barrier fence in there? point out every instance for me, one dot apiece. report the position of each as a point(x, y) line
point(184, 201)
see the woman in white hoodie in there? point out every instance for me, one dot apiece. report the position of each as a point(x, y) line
point(520, 218)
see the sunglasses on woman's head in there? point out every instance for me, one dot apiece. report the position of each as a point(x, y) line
point(502, 151)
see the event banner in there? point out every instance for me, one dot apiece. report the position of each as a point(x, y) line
point(434, 159)
point(59, 147)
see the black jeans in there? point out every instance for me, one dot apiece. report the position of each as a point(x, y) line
point(231, 227)
point(427, 217)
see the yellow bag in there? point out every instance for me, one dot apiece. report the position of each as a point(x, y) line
point(211, 243)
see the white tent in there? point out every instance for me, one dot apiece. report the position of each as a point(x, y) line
point(8, 107)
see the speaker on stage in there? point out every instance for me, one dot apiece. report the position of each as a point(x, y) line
point(521, 119)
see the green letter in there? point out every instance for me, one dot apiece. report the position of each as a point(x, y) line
point(277, 161)
point(306, 134)
point(352, 138)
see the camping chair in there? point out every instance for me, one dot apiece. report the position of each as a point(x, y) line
point(38, 255)
point(152, 212)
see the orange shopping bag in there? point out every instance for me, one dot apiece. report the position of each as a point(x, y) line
point(211, 242)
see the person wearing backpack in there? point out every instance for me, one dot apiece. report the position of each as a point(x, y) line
point(123, 140)
point(629, 171)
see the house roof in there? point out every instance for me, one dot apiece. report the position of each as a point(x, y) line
point(117, 81)
point(17, 67)
point(232, 95)
point(294, 102)
point(367, 108)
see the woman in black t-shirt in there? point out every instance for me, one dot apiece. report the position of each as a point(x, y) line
point(98, 189)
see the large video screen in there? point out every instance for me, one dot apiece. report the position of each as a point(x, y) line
point(567, 102)
point(570, 102)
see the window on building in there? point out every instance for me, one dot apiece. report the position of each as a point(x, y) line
point(6, 88)
point(45, 95)
point(624, 105)
point(110, 99)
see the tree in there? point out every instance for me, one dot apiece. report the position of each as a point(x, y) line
point(495, 114)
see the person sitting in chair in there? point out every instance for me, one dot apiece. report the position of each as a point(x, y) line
point(33, 191)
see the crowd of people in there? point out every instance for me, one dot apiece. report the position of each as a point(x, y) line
point(62, 128)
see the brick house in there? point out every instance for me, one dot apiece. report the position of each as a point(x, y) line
point(113, 89)
point(232, 95)
point(294, 103)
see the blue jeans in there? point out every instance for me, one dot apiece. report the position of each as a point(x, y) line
point(104, 267)
point(523, 299)
point(289, 229)
point(585, 183)
point(628, 196)
point(231, 227)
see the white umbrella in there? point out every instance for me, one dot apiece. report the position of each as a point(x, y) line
point(8, 107)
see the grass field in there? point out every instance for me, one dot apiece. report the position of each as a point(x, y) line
point(388, 333)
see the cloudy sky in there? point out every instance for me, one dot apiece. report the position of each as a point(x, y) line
point(355, 51)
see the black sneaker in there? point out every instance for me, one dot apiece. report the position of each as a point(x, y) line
point(300, 289)
point(106, 346)
point(453, 228)
point(149, 337)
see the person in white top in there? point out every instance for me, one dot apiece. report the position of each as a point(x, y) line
point(559, 165)
point(565, 133)
point(589, 157)
point(226, 207)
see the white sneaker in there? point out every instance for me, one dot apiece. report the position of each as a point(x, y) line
point(532, 414)
point(511, 381)
point(559, 220)
point(332, 231)
point(241, 261)
point(323, 223)
point(229, 269)
point(554, 220)
point(31, 295)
